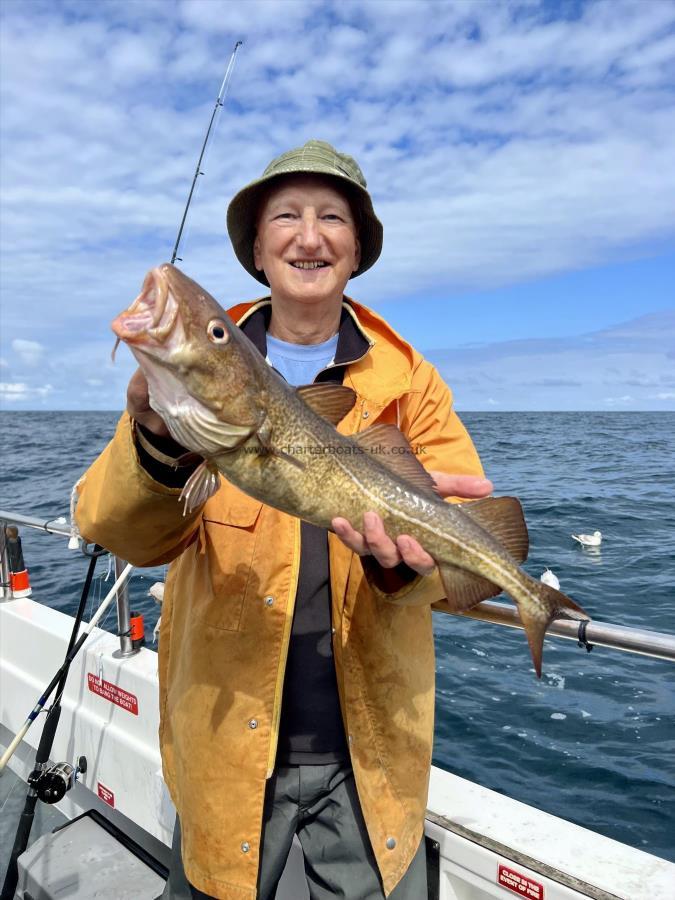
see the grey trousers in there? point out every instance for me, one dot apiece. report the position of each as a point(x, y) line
point(320, 805)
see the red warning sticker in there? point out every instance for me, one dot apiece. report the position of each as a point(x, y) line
point(520, 884)
point(106, 794)
point(114, 694)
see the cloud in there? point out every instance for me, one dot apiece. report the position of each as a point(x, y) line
point(29, 352)
point(503, 142)
point(579, 369)
point(20, 392)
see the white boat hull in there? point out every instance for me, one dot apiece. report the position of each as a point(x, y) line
point(490, 846)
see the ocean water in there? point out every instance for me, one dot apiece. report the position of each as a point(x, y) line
point(594, 740)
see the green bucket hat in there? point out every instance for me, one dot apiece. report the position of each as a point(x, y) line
point(315, 157)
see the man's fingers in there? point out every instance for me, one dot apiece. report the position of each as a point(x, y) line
point(469, 487)
point(373, 540)
point(379, 543)
point(138, 405)
point(138, 400)
point(349, 536)
point(414, 555)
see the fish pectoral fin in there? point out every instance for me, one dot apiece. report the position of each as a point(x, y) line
point(202, 484)
point(390, 446)
point(264, 436)
point(231, 436)
point(330, 401)
point(266, 446)
point(463, 589)
point(536, 617)
point(207, 429)
point(503, 518)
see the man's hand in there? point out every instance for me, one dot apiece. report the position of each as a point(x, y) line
point(373, 540)
point(138, 405)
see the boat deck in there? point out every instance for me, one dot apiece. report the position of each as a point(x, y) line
point(12, 797)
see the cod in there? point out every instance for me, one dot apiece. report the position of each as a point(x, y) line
point(279, 444)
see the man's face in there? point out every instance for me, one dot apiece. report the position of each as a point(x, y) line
point(306, 242)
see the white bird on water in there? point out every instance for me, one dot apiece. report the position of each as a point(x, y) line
point(550, 578)
point(589, 540)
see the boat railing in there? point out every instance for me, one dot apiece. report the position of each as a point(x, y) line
point(60, 527)
point(587, 634)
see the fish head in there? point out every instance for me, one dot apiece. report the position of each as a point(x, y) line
point(195, 359)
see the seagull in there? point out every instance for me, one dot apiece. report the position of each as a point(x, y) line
point(589, 540)
point(550, 578)
point(157, 592)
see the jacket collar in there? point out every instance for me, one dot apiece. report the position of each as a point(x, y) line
point(353, 344)
point(367, 347)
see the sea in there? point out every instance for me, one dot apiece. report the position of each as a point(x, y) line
point(593, 741)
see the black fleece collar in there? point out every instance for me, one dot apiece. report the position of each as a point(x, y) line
point(352, 343)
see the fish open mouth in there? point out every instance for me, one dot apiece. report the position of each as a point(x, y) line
point(152, 315)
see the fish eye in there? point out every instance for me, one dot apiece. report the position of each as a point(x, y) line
point(217, 331)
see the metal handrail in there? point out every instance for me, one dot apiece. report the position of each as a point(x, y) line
point(59, 526)
point(51, 526)
point(602, 634)
point(656, 644)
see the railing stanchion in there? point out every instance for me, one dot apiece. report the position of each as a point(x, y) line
point(5, 587)
point(123, 613)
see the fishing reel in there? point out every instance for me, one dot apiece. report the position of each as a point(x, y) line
point(53, 782)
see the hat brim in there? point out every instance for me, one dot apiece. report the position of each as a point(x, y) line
point(243, 210)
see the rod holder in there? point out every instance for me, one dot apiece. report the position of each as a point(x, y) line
point(124, 614)
point(5, 586)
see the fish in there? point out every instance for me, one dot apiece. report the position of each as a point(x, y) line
point(279, 444)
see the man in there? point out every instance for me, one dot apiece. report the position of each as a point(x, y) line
point(296, 666)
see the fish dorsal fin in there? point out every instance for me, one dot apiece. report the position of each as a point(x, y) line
point(503, 518)
point(464, 590)
point(390, 446)
point(330, 401)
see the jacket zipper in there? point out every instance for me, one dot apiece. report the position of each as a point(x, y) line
point(285, 644)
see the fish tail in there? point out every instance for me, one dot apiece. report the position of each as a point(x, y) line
point(537, 616)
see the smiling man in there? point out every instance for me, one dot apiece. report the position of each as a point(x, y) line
point(296, 665)
point(307, 246)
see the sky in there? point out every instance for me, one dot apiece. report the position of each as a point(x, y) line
point(519, 154)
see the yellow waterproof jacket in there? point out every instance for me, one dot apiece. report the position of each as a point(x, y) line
point(226, 623)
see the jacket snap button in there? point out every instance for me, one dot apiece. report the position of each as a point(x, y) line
point(269, 601)
point(245, 847)
point(391, 843)
point(253, 723)
point(365, 414)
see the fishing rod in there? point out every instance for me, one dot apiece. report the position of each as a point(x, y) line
point(220, 101)
point(37, 777)
point(51, 783)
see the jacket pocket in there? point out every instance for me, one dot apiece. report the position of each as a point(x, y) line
point(227, 545)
